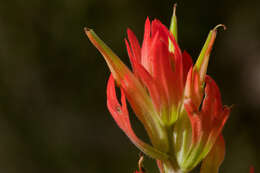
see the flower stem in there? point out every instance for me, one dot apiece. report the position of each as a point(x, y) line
point(171, 165)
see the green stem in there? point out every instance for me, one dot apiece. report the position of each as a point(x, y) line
point(171, 165)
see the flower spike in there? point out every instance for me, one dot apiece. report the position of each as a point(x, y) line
point(178, 104)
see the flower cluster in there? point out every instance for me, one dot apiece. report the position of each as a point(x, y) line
point(178, 104)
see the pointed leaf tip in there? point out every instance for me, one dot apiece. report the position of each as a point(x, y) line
point(174, 9)
point(173, 25)
point(220, 25)
point(173, 28)
point(116, 66)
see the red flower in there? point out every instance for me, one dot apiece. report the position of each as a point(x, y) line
point(165, 91)
point(160, 70)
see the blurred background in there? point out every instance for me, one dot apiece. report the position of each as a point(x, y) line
point(53, 115)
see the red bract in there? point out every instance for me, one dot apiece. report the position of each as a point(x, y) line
point(160, 70)
point(165, 91)
point(201, 122)
point(121, 116)
point(206, 123)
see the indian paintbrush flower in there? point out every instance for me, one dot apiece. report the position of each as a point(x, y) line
point(178, 104)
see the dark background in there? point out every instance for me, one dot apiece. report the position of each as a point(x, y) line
point(53, 115)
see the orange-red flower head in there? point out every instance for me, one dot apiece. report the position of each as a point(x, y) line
point(165, 90)
point(159, 70)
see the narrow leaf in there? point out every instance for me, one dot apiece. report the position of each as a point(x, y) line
point(203, 59)
point(116, 66)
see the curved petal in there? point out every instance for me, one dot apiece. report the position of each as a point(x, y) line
point(134, 91)
point(121, 116)
point(135, 46)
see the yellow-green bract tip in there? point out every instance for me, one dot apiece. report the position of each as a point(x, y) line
point(116, 66)
point(173, 27)
point(203, 59)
